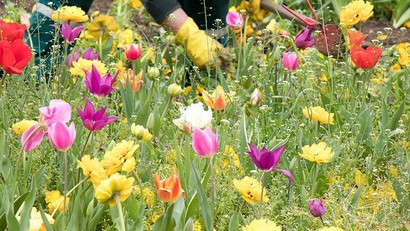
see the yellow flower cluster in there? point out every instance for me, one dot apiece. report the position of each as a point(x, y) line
point(20, 127)
point(404, 54)
point(149, 195)
point(121, 157)
point(354, 12)
point(84, 64)
point(319, 153)
point(262, 225)
point(115, 186)
point(318, 114)
point(69, 13)
point(54, 199)
point(251, 190)
point(135, 4)
point(93, 169)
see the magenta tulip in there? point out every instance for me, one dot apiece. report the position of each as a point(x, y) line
point(61, 136)
point(90, 55)
point(97, 85)
point(94, 120)
point(234, 20)
point(316, 207)
point(58, 110)
point(73, 57)
point(70, 34)
point(290, 60)
point(32, 137)
point(204, 142)
point(266, 160)
point(133, 51)
point(304, 38)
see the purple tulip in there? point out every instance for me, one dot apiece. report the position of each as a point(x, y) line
point(205, 142)
point(73, 57)
point(266, 160)
point(61, 136)
point(90, 55)
point(97, 85)
point(69, 34)
point(290, 60)
point(304, 38)
point(94, 120)
point(234, 20)
point(316, 207)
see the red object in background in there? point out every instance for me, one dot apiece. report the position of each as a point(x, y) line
point(14, 56)
point(363, 58)
point(11, 31)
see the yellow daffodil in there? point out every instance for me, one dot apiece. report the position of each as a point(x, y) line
point(101, 26)
point(93, 169)
point(84, 64)
point(69, 13)
point(20, 127)
point(319, 153)
point(318, 114)
point(120, 157)
point(251, 190)
point(115, 185)
point(262, 225)
point(54, 199)
point(354, 12)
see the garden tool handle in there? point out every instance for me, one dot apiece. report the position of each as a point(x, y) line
point(287, 13)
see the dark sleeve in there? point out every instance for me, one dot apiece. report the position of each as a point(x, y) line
point(160, 9)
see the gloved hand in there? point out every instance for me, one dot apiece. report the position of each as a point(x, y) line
point(201, 48)
point(254, 8)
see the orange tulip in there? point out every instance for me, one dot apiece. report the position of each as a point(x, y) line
point(169, 189)
point(134, 81)
point(217, 100)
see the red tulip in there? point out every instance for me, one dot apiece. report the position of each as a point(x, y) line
point(133, 51)
point(363, 58)
point(11, 31)
point(14, 56)
point(366, 58)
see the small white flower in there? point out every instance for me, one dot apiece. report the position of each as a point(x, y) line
point(193, 117)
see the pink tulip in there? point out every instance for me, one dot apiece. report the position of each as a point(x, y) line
point(58, 110)
point(290, 60)
point(204, 142)
point(61, 136)
point(32, 137)
point(133, 51)
point(234, 20)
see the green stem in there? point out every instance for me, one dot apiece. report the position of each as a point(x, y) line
point(213, 188)
point(82, 153)
point(261, 206)
point(121, 215)
point(65, 189)
point(68, 194)
point(313, 191)
point(166, 107)
point(139, 184)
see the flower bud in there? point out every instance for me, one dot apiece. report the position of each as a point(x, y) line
point(255, 97)
point(174, 90)
point(316, 207)
point(133, 51)
point(153, 73)
point(150, 121)
point(140, 132)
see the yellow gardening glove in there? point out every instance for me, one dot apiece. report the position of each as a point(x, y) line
point(254, 8)
point(201, 48)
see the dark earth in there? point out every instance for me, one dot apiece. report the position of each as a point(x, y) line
point(372, 28)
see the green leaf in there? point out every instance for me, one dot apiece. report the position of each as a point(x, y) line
point(12, 222)
point(203, 201)
point(45, 220)
point(98, 212)
point(179, 207)
point(365, 122)
point(28, 204)
point(392, 124)
point(234, 222)
point(356, 197)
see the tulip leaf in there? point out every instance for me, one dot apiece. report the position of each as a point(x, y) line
point(365, 122)
point(97, 214)
point(45, 220)
point(234, 222)
point(356, 197)
point(28, 203)
point(203, 201)
point(193, 203)
point(392, 124)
